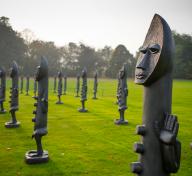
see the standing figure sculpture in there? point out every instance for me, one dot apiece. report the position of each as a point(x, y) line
point(160, 149)
point(118, 87)
point(21, 85)
point(40, 120)
point(65, 85)
point(35, 88)
point(2, 89)
point(27, 85)
point(55, 84)
point(122, 95)
point(95, 86)
point(59, 88)
point(77, 85)
point(14, 102)
point(83, 90)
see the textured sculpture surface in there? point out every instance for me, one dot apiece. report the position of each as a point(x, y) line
point(40, 120)
point(122, 94)
point(14, 102)
point(2, 89)
point(95, 86)
point(60, 85)
point(21, 85)
point(83, 90)
point(55, 84)
point(77, 85)
point(160, 150)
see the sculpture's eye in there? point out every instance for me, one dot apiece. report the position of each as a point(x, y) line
point(154, 48)
point(143, 50)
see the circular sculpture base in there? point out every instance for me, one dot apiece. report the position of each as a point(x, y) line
point(12, 125)
point(35, 97)
point(31, 157)
point(3, 112)
point(82, 110)
point(59, 102)
point(120, 122)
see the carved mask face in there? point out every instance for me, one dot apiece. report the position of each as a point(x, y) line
point(13, 70)
point(155, 55)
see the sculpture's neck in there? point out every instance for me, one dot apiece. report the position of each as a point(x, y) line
point(15, 82)
point(43, 88)
point(158, 97)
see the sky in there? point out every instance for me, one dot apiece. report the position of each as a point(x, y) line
point(96, 22)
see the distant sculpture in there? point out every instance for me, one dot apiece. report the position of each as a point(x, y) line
point(59, 88)
point(65, 85)
point(35, 88)
point(14, 102)
point(160, 150)
point(55, 84)
point(122, 94)
point(40, 120)
point(77, 85)
point(95, 86)
point(2, 89)
point(118, 88)
point(27, 85)
point(21, 85)
point(83, 90)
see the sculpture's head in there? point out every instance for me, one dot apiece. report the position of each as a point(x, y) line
point(2, 72)
point(59, 74)
point(84, 72)
point(156, 54)
point(42, 69)
point(14, 70)
point(123, 71)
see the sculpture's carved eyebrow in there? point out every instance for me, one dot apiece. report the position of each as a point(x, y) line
point(143, 49)
point(154, 48)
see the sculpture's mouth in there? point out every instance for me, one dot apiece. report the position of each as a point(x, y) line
point(141, 75)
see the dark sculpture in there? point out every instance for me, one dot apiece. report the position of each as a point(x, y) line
point(160, 150)
point(2, 89)
point(21, 85)
point(95, 86)
point(83, 90)
point(77, 85)
point(35, 88)
point(59, 88)
point(118, 87)
point(27, 85)
point(55, 84)
point(14, 102)
point(65, 85)
point(122, 94)
point(40, 120)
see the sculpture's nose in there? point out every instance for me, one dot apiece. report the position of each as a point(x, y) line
point(143, 63)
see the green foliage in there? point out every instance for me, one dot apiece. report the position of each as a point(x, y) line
point(82, 144)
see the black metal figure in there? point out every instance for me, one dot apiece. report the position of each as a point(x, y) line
point(2, 89)
point(65, 85)
point(27, 85)
point(122, 94)
point(118, 87)
point(95, 86)
point(21, 85)
point(40, 120)
point(77, 85)
point(160, 150)
point(59, 88)
point(35, 88)
point(14, 102)
point(83, 90)
point(55, 84)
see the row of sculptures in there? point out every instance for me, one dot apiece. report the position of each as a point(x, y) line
point(159, 149)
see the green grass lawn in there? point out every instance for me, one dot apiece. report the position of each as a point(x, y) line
point(88, 143)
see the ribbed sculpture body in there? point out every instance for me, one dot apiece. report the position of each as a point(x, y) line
point(40, 120)
point(2, 89)
point(65, 85)
point(122, 94)
point(160, 149)
point(21, 85)
point(95, 86)
point(118, 89)
point(83, 90)
point(59, 88)
point(14, 102)
point(77, 85)
point(27, 85)
point(55, 84)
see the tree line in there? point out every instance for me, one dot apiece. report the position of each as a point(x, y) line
point(71, 58)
